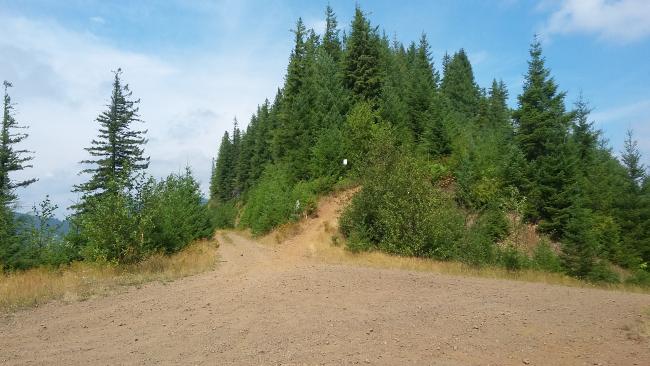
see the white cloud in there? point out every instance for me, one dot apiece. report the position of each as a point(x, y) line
point(318, 25)
point(62, 81)
point(619, 21)
point(633, 116)
point(98, 20)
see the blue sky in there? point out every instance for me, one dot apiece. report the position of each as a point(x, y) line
point(198, 64)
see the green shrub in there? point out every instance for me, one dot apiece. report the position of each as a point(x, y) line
point(328, 154)
point(174, 214)
point(639, 277)
point(275, 200)
point(399, 211)
point(512, 259)
point(601, 272)
point(110, 229)
point(477, 248)
point(224, 215)
point(494, 224)
point(269, 202)
point(545, 259)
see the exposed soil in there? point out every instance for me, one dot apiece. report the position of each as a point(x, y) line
point(278, 304)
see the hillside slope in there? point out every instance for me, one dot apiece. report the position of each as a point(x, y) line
point(274, 301)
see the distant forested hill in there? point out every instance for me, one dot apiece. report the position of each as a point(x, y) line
point(62, 226)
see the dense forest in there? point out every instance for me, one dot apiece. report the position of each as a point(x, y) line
point(123, 214)
point(446, 169)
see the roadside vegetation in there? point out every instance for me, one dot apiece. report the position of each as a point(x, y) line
point(447, 169)
point(81, 280)
point(126, 227)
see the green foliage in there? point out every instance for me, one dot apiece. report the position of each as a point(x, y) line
point(512, 259)
point(455, 146)
point(275, 200)
point(111, 229)
point(494, 224)
point(477, 247)
point(362, 60)
point(545, 259)
point(400, 211)
point(543, 128)
point(173, 214)
point(224, 215)
point(117, 152)
point(127, 225)
point(328, 154)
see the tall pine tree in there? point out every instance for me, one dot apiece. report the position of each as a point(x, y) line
point(542, 133)
point(118, 151)
point(362, 64)
point(11, 160)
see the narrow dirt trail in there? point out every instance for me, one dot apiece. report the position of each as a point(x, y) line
point(277, 304)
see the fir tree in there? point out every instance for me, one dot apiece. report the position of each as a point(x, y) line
point(117, 153)
point(458, 85)
point(542, 133)
point(221, 184)
point(631, 158)
point(497, 109)
point(331, 40)
point(11, 160)
point(583, 134)
point(362, 60)
point(633, 213)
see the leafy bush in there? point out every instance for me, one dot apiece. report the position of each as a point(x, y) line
point(269, 201)
point(639, 277)
point(124, 226)
point(109, 228)
point(224, 215)
point(601, 272)
point(494, 224)
point(275, 200)
point(512, 259)
point(477, 248)
point(545, 259)
point(174, 214)
point(399, 211)
point(328, 154)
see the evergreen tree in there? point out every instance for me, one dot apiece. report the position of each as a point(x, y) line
point(584, 136)
point(221, 184)
point(291, 140)
point(392, 106)
point(633, 213)
point(497, 109)
point(117, 153)
point(423, 82)
point(262, 142)
point(11, 160)
point(458, 85)
point(631, 158)
point(362, 60)
point(331, 41)
point(542, 133)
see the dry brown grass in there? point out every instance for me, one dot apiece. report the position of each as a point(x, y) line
point(338, 254)
point(81, 280)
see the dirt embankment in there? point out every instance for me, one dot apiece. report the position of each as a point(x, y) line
point(280, 304)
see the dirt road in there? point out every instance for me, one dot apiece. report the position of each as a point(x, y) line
point(273, 305)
